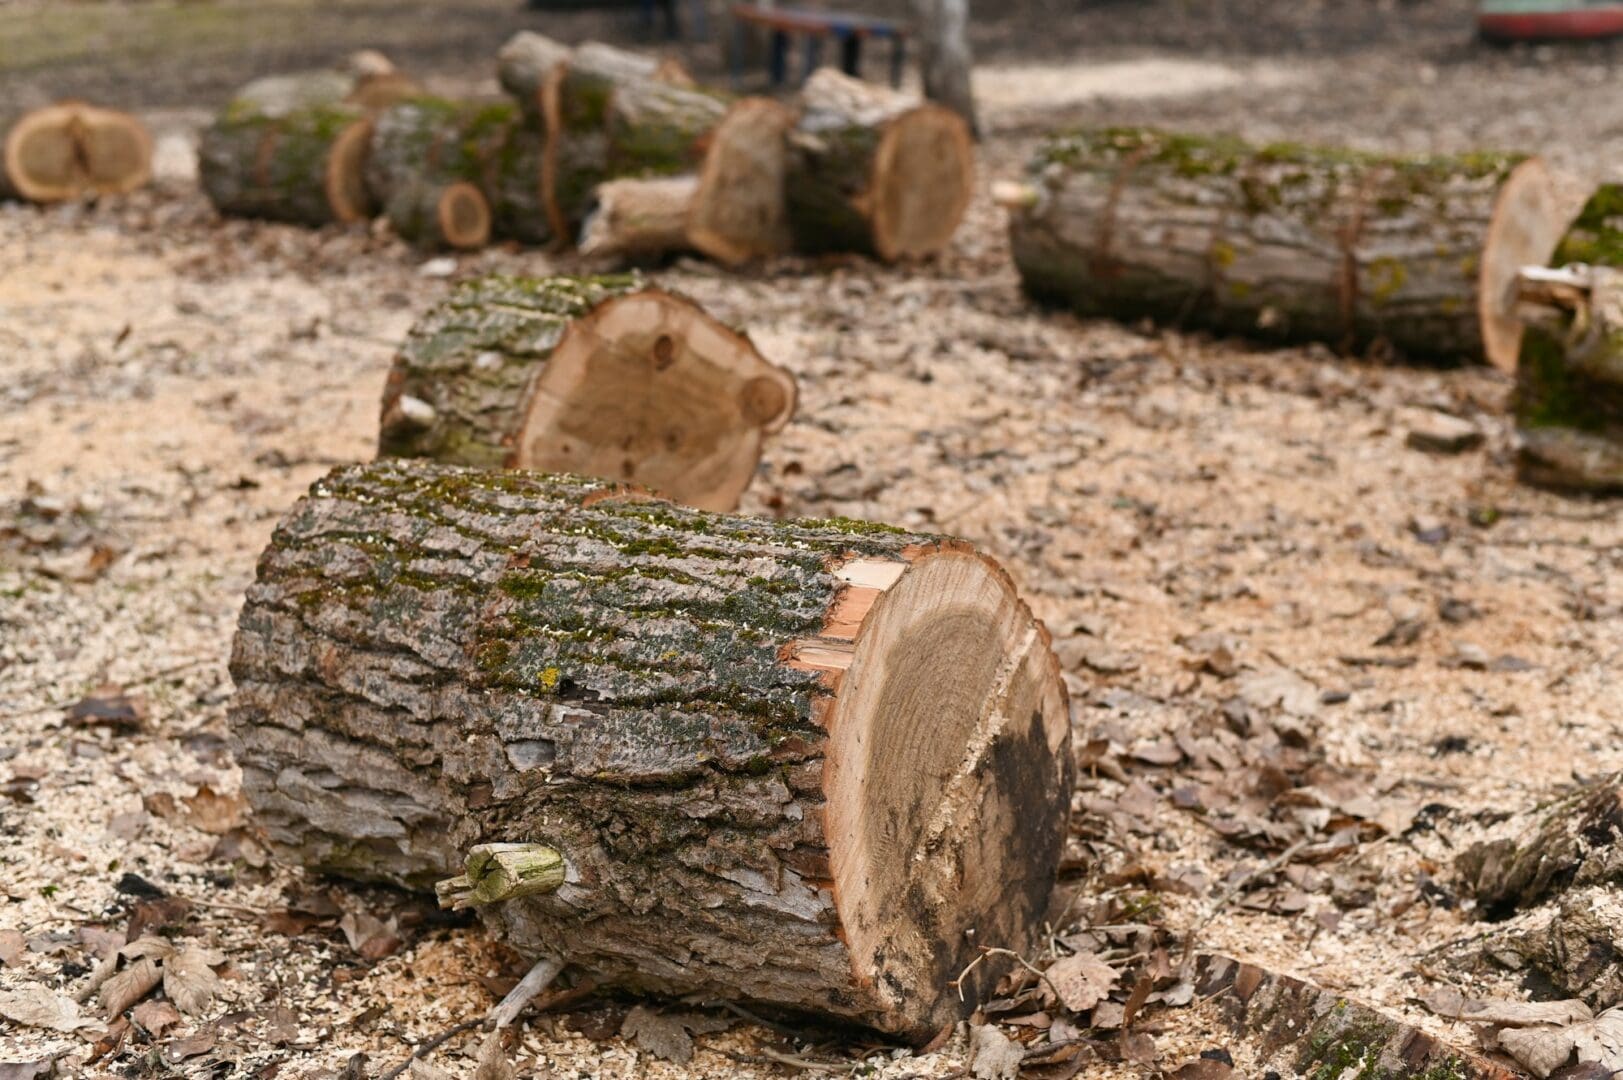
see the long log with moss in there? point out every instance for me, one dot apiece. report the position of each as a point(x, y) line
point(815, 766)
point(875, 171)
point(440, 142)
point(72, 150)
point(1569, 385)
point(1293, 243)
point(602, 376)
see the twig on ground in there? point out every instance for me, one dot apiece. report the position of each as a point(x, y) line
point(536, 980)
point(432, 1045)
point(1278, 862)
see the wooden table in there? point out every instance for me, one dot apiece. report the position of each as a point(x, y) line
point(849, 29)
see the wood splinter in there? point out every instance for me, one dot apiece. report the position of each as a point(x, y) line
point(497, 872)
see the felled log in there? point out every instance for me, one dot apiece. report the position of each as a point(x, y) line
point(70, 150)
point(1569, 384)
point(601, 376)
point(808, 765)
point(640, 217)
point(433, 215)
point(523, 66)
point(875, 171)
point(605, 122)
point(440, 142)
point(1286, 242)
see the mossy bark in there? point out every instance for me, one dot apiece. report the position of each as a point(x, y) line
point(1280, 242)
point(472, 360)
point(523, 66)
point(488, 144)
point(826, 187)
point(1596, 235)
point(1569, 391)
point(256, 162)
point(434, 658)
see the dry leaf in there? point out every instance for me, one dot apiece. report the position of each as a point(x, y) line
point(192, 1045)
point(213, 812)
point(1545, 1049)
point(108, 706)
point(1449, 1002)
point(662, 1036)
point(189, 981)
point(12, 947)
point(35, 1006)
point(370, 936)
point(26, 1070)
point(1081, 980)
point(155, 1016)
point(422, 1070)
point(493, 1063)
point(138, 979)
point(993, 1055)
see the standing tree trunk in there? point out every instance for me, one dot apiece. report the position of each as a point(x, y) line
point(597, 376)
point(876, 172)
point(489, 145)
point(944, 57)
point(819, 766)
point(1287, 242)
point(71, 150)
point(1569, 385)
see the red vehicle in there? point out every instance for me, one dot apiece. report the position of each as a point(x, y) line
point(1549, 20)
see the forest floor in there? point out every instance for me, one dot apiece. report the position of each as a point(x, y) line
point(1244, 565)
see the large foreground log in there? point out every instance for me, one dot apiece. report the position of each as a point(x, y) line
point(812, 765)
point(875, 171)
point(70, 150)
point(1569, 385)
point(600, 376)
point(440, 142)
point(1287, 242)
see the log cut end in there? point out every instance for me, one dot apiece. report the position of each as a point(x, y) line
point(924, 174)
point(947, 779)
point(1530, 215)
point(68, 150)
point(463, 214)
point(650, 389)
point(345, 181)
point(738, 212)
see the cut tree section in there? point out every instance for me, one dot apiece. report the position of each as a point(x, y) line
point(601, 376)
point(71, 150)
point(433, 216)
point(814, 766)
point(875, 171)
point(307, 167)
point(1294, 243)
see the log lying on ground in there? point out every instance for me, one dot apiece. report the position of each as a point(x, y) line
point(875, 171)
point(1287, 242)
point(435, 215)
point(604, 122)
point(440, 142)
point(1569, 385)
point(811, 765)
point(601, 376)
point(70, 150)
point(523, 66)
point(732, 210)
point(1595, 237)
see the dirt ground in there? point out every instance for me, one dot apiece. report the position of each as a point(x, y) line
point(1236, 551)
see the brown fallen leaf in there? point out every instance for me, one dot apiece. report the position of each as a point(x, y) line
point(657, 1034)
point(108, 706)
point(13, 947)
point(1449, 1002)
point(36, 1006)
point(189, 980)
point(1542, 1050)
point(155, 1017)
point(191, 1046)
point(493, 1063)
point(1080, 981)
point(370, 936)
point(138, 979)
point(215, 812)
point(992, 1054)
point(27, 1070)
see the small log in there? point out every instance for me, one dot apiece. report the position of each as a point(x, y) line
point(488, 145)
point(71, 150)
point(1288, 242)
point(1569, 384)
point(603, 123)
point(523, 66)
point(640, 217)
point(598, 376)
point(875, 171)
point(435, 216)
point(815, 766)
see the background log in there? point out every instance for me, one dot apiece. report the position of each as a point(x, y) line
point(875, 171)
point(811, 765)
point(70, 150)
point(640, 218)
point(435, 216)
point(602, 376)
point(1288, 242)
point(1569, 384)
point(490, 145)
point(523, 66)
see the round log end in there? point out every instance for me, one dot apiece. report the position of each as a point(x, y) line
point(116, 150)
point(924, 174)
point(347, 193)
point(463, 213)
point(647, 388)
point(947, 780)
point(1530, 215)
point(738, 213)
point(70, 149)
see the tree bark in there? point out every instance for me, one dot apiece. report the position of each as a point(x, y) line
point(435, 216)
point(1569, 384)
point(600, 376)
point(876, 172)
point(523, 66)
point(945, 62)
point(490, 145)
point(603, 124)
point(1287, 242)
point(810, 765)
point(71, 150)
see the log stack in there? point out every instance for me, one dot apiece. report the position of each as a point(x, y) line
point(70, 150)
point(813, 766)
point(1287, 242)
point(601, 376)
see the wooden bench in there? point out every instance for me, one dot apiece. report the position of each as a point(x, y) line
point(849, 29)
